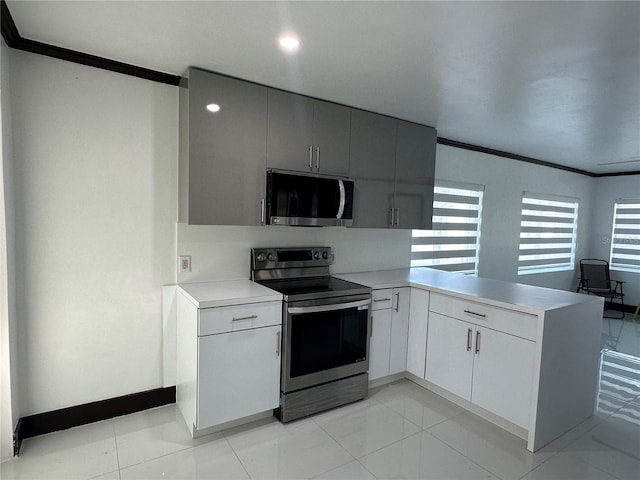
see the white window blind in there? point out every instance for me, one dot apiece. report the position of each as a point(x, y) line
point(454, 241)
point(625, 238)
point(548, 229)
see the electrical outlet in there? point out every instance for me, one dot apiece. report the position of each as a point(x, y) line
point(185, 263)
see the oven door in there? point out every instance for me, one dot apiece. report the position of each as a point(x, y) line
point(325, 340)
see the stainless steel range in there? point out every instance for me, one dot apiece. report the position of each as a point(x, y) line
point(325, 329)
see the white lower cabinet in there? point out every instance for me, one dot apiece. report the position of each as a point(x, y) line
point(489, 368)
point(417, 331)
point(389, 329)
point(238, 375)
point(503, 375)
point(379, 343)
point(228, 361)
point(449, 355)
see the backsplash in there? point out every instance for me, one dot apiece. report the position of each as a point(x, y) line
point(222, 252)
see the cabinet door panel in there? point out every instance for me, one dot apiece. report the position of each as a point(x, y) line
point(379, 344)
point(449, 361)
point(373, 200)
point(290, 131)
point(331, 135)
point(415, 153)
point(226, 162)
point(373, 146)
point(399, 330)
point(417, 337)
point(238, 375)
point(503, 375)
point(414, 204)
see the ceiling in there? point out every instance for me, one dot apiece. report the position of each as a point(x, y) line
point(555, 81)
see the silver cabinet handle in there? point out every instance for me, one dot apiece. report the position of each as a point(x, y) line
point(318, 158)
point(481, 315)
point(310, 157)
point(397, 301)
point(397, 216)
point(469, 334)
point(477, 341)
point(250, 317)
point(376, 300)
point(262, 205)
point(393, 216)
point(278, 343)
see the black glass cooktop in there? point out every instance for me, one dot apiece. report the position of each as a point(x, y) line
point(318, 287)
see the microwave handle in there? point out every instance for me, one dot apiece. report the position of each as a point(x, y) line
point(328, 308)
point(342, 199)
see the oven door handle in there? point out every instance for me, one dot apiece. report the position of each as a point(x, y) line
point(328, 308)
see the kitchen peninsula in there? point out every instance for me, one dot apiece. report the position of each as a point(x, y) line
point(523, 357)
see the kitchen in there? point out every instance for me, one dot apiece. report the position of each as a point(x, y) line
point(96, 219)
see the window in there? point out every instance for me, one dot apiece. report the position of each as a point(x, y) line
point(625, 237)
point(548, 228)
point(454, 241)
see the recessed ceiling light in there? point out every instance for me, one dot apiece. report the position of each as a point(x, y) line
point(213, 107)
point(289, 43)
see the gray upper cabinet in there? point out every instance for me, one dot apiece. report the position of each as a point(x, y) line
point(393, 164)
point(307, 135)
point(372, 165)
point(414, 176)
point(222, 154)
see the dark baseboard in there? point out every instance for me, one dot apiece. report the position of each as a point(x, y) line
point(47, 422)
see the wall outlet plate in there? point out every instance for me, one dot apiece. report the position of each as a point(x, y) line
point(184, 263)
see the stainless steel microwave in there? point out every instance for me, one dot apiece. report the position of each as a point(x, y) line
point(294, 199)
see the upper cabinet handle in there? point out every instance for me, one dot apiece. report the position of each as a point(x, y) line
point(310, 157)
point(318, 158)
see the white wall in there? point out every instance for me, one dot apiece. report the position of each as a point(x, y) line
point(607, 190)
point(95, 182)
point(9, 399)
point(504, 181)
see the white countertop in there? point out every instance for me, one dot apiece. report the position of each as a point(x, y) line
point(227, 292)
point(528, 298)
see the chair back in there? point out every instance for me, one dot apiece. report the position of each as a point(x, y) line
point(596, 272)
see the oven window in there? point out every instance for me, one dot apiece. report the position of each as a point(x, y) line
point(325, 340)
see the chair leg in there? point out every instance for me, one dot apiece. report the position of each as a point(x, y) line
point(621, 317)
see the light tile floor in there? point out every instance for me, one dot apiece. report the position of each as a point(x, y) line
point(399, 431)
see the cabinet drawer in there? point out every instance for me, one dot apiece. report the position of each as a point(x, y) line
point(382, 299)
point(512, 322)
point(238, 317)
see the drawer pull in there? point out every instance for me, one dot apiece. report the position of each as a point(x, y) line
point(481, 315)
point(469, 335)
point(477, 341)
point(278, 343)
point(381, 300)
point(250, 317)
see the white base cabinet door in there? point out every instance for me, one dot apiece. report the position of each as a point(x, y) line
point(450, 354)
point(379, 343)
point(399, 330)
point(238, 375)
point(503, 375)
point(417, 335)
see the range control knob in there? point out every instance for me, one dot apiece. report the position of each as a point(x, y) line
point(261, 257)
point(271, 257)
point(316, 255)
point(325, 254)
